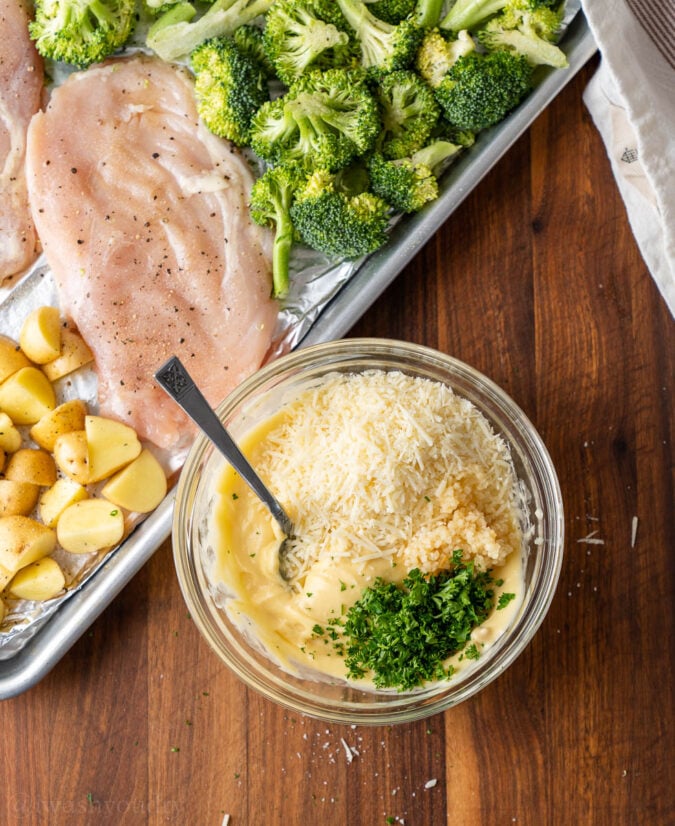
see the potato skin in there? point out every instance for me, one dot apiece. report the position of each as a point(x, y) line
point(72, 457)
point(10, 437)
point(23, 540)
point(11, 358)
point(62, 419)
point(40, 336)
point(33, 465)
point(17, 498)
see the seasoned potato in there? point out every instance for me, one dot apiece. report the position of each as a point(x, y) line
point(40, 580)
point(72, 457)
point(75, 353)
point(32, 465)
point(22, 541)
point(11, 358)
point(53, 501)
point(65, 418)
point(27, 395)
point(17, 497)
point(90, 525)
point(5, 577)
point(40, 336)
point(10, 438)
point(140, 486)
point(111, 445)
point(3, 611)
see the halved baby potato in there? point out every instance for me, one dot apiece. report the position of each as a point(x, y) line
point(53, 501)
point(140, 486)
point(11, 357)
point(27, 395)
point(89, 526)
point(65, 418)
point(33, 465)
point(111, 445)
point(40, 580)
point(72, 456)
point(75, 353)
point(23, 540)
point(10, 438)
point(17, 498)
point(40, 336)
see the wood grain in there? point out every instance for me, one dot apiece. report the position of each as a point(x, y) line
point(537, 282)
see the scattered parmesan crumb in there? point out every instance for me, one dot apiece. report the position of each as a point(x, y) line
point(348, 752)
point(430, 783)
point(633, 531)
point(591, 539)
point(226, 820)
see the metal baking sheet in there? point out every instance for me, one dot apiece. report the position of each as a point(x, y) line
point(60, 630)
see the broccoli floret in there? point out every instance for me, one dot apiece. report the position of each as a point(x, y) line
point(250, 41)
point(409, 113)
point(271, 199)
point(337, 223)
point(530, 33)
point(446, 132)
point(470, 14)
point(176, 33)
point(439, 52)
point(392, 11)
point(229, 88)
point(410, 183)
point(300, 36)
point(325, 120)
point(384, 47)
point(81, 32)
point(480, 90)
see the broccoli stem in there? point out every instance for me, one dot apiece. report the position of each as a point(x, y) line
point(465, 14)
point(434, 154)
point(281, 254)
point(171, 38)
point(428, 13)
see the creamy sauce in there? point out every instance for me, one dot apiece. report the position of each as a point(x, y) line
point(333, 572)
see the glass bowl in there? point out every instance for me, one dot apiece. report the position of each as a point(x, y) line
point(255, 400)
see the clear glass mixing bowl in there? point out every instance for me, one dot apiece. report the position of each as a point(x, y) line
point(253, 402)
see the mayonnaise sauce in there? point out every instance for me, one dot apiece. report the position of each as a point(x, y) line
point(247, 541)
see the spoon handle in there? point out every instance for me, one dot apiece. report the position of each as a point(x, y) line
point(177, 382)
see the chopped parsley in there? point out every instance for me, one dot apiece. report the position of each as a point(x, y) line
point(504, 600)
point(403, 633)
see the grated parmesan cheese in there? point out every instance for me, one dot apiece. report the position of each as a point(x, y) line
point(381, 465)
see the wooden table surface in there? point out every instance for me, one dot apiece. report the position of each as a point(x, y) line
point(537, 282)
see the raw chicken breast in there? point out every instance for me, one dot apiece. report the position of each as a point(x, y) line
point(144, 222)
point(21, 82)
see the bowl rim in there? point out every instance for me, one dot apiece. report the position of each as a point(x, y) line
point(411, 705)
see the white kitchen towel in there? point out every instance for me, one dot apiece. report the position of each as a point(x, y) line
point(631, 99)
